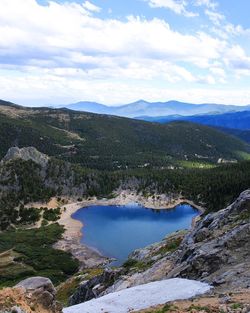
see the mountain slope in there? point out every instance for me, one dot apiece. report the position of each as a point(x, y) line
point(234, 123)
point(154, 109)
point(108, 142)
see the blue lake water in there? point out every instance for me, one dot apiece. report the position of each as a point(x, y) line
point(116, 231)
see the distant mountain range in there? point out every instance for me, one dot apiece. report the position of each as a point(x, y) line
point(235, 120)
point(234, 123)
point(145, 109)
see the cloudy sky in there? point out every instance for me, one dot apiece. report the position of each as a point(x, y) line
point(119, 51)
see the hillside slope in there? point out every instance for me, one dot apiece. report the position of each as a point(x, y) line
point(108, 142)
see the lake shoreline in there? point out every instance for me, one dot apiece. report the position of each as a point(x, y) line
point(88, 256)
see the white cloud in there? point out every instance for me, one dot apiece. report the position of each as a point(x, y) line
point(177, 6)
point(218, 71)
point(91, 7)
point(207, 3)
point(238, 61)
point(65, 35)
point(215, 17)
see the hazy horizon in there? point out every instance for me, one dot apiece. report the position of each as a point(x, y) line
point(35, 104)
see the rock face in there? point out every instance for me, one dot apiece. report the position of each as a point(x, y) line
point(94, 287)
point(27, 153)
point(40, 290)
point(217, 250)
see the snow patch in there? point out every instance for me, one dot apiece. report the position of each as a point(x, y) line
point(142, 297)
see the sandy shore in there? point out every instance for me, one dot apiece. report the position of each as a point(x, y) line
point(89, 257)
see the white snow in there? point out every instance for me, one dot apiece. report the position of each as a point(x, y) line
point(141, 297)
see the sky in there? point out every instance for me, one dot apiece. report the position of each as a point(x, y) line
point(119, 51)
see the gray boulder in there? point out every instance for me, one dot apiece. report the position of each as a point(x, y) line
point(42, 291)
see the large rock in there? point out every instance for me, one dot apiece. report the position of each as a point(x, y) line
point(27, 153)
point(40, 290)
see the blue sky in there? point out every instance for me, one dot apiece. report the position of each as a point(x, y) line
point(114, 52)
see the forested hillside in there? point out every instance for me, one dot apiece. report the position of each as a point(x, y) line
point(108, 142)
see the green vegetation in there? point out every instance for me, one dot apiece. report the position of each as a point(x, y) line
point(135, 264)
point(170, 246)
point(195, 164)
point(32, 254)
point(199, 308)
point(21, 182)
point(67, 288)
point(243, 216)
point(236, 306)
point(168, 307)
point(51, 215)
point(28, 215)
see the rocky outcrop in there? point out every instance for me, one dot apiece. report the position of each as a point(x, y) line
point(217, 250)
point(27, 153)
